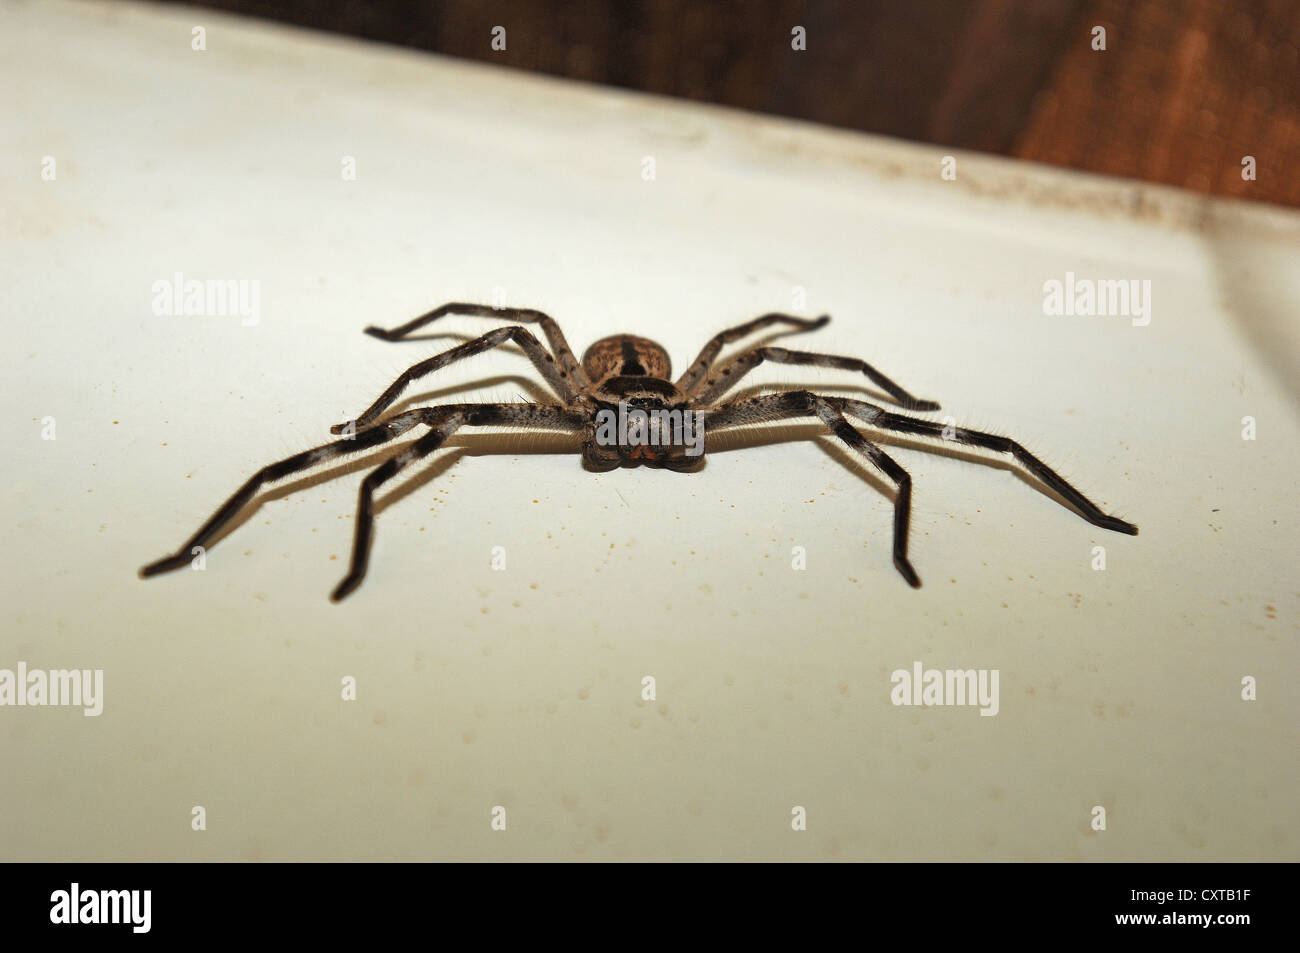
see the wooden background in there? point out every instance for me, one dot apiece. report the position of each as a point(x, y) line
point(1184, 90)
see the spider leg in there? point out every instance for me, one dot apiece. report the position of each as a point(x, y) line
point(730, 374)
point(879, 417)
point(557, 378)
point(278, 471)
point(806, 404)
point(554, 336)
point(696, 372)
point(444, 422)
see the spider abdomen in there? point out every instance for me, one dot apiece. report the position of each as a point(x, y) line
point(626, 355)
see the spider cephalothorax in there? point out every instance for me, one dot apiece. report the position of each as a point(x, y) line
point(629, 412)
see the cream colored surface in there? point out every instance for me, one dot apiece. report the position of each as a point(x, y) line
point(521, 687)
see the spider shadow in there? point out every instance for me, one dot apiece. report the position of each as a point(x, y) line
point(457, 336)
point(456, 447)
point(742, 438)
point(316, 478)
point(461, 338)
point(532, 392)
point(855, 390)
point(496, 443)
point(454, 338)
point(747, 438)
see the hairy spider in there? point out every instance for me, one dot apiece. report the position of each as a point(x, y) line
point(625, 378)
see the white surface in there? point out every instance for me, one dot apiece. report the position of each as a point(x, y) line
point(521, 688)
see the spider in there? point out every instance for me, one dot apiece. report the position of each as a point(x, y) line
point(627, 377)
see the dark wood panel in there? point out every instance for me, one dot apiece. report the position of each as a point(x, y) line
point(1184, 90)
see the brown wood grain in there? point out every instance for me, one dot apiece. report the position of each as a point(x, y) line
point(1182, 94)
point(1184, 90)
